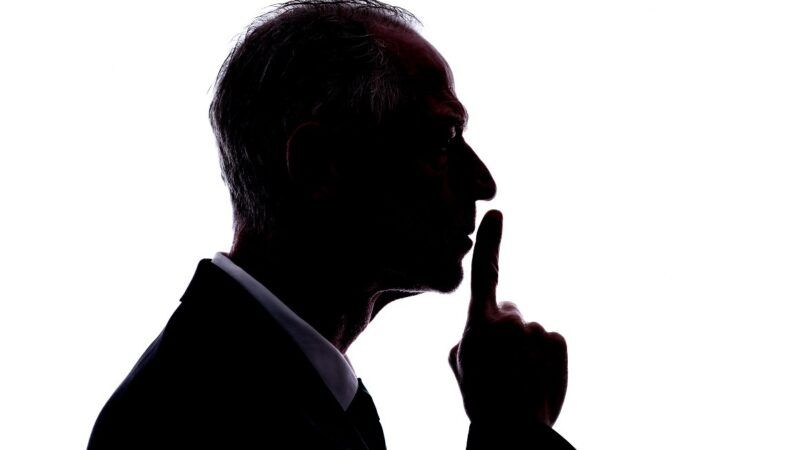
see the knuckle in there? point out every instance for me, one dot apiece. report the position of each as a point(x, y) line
point(454, 352)
point(557, 338)
point(508, 312)
point(506, 329)
point(535, 329)
point(510, 321)
point(510, 307)
point(453, 358)
point(558, 345)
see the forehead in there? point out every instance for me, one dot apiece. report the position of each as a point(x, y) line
point(428, 71)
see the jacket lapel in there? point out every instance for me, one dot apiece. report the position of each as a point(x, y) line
point(282, 369)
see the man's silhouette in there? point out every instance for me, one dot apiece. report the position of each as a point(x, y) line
point(341, 143)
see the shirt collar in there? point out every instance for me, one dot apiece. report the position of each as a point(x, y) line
point(333, 367)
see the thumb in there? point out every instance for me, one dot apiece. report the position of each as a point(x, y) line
point(483, 301)
point(453, 359)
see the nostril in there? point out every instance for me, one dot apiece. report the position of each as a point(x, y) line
point(486, 186)
point(491, 189)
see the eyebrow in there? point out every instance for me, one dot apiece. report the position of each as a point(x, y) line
point(455, 116)
point(440, 121)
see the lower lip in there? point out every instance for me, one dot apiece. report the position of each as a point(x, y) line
point(465, 244)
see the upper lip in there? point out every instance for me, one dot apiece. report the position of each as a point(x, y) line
point(469, 230)
point(467, 221)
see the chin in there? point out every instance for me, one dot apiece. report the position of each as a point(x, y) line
point(435, 268)
point(446, 278)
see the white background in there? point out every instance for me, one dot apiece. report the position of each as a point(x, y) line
point(647, 157)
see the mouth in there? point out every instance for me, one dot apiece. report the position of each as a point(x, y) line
point(466, 230)
point(464, 244)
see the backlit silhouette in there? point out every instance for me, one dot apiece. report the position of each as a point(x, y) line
point(340, 140)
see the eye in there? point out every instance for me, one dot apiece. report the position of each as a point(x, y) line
point(442, 148)
point(448, 137)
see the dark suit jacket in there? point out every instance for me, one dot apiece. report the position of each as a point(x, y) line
point(223, 374)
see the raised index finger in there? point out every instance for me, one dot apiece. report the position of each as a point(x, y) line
point(483, 300)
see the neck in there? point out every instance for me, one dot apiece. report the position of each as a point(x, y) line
point(327, 290)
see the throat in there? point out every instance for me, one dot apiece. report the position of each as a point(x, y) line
point(336, 306)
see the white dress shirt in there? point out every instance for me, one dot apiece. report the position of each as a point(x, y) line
point(333, 367)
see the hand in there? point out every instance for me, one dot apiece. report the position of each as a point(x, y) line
point(509, 371)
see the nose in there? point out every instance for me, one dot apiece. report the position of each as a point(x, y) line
point(480, 179)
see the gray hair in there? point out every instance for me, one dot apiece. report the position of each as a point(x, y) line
point(305, 61)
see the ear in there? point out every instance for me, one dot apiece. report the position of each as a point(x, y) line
point(311, 161)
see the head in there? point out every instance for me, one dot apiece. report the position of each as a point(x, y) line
point(340, 138)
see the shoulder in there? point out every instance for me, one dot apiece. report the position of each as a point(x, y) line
point(220, 366)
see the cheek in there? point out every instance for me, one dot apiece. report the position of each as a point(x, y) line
point(411, 201)
point(432, 184)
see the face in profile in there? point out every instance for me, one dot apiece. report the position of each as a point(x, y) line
point(415, 197)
